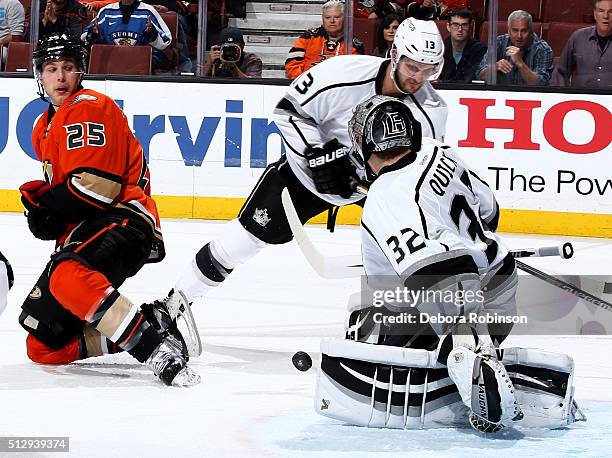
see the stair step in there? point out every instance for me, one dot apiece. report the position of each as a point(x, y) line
point(284, 8)
point(261, 40)
point(267, 23)
point(266, 73)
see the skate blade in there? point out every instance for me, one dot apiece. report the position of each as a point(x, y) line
point(186, 377)
point(179, 309)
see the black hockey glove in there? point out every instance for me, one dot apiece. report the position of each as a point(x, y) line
point(44, 223)
point(332, 170)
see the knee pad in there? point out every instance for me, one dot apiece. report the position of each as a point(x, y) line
point(45, 318)
point(40, 353)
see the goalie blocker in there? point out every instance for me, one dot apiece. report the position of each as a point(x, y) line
point(393, 387)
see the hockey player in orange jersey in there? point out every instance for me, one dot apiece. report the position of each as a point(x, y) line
point(95, 202)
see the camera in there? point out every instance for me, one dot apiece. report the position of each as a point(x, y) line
point(230, 52)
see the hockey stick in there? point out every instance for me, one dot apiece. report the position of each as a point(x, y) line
point(335, 267)
point(582, 294)
point(326, 266)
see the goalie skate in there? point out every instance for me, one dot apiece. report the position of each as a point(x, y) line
point(174, 314)
point(491, 394)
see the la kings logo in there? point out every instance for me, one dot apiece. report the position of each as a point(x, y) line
point(394, 126)
point(261, 217)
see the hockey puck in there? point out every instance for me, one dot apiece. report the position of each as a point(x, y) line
point(302, 361)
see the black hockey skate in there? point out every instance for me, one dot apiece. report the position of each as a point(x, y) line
point(170, 366)
point(157, 314)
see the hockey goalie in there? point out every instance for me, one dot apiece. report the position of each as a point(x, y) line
point(422, 346)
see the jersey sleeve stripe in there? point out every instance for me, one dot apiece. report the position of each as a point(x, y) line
point(363, 224)
point(448, 265)
point(334, 86)
point(418, 105)
point(417, 191)
point(301, 135)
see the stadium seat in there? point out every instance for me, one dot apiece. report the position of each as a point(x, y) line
point(365, 29)
point(27, 7)
point(171, 52)
point(19, 57)
point(478, 8)
point(557, 34)
point(442, 28)
point(567, 11)
point(120, 60)
point(506, 7)
point(502, 28)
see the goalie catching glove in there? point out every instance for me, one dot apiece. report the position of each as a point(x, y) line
point(332, 170)
point(44, 223)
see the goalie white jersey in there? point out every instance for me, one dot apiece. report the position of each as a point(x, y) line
point(319, 104)
point(426, 210)
point(6, 280)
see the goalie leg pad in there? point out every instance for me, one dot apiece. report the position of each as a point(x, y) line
point(544, 386)
point(382, 386)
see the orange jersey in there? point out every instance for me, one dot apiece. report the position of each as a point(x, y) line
point(93, 160)
point(312, 47)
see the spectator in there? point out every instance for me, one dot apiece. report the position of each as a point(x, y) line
point(434, 9)
point(316, 45)
point(94, 6)
point(586, 60)
point(12, 18)
point(182, 46)
point(523, 57)
point(385, 35)
point(130, 22)
point(227, 58)
point(372, 9)
point(462, 53)
point(62, 16)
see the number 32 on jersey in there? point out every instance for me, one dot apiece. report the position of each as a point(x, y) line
point(408, 241)
point(85, 133)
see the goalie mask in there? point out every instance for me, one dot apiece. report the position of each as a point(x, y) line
point(382, 124)
point(58, 46)
point(420, 43)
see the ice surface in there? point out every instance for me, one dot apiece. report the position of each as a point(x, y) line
point(252, 402)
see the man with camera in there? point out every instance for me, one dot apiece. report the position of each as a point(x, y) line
point(228, 59)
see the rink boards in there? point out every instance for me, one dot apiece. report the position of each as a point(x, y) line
point(547, 156)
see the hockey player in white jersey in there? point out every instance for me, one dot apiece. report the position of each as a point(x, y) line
point(313, 117)
point(428, 225)
point(6, 280)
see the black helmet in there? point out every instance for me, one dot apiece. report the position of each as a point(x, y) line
point(383, 123)
point(57, 46)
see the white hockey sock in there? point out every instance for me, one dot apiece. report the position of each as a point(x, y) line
point(216, 260)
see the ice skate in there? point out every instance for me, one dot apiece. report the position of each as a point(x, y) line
point(171, 313)
point(170, 366)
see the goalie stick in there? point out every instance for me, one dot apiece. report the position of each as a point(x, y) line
point(337, 267)
point(582, 294)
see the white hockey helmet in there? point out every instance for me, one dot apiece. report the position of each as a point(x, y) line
point(419, 41)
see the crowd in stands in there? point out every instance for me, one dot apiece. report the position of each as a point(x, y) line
point(531, 48)
point(522, 56)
